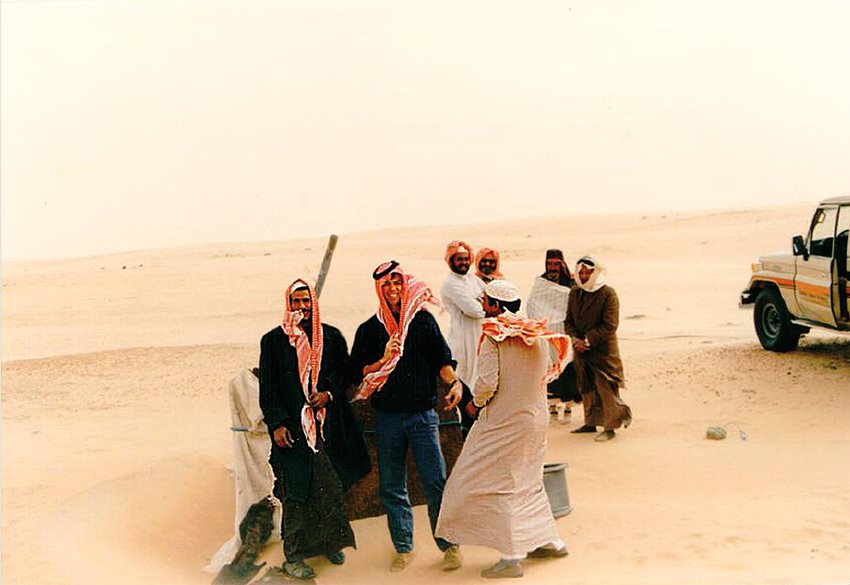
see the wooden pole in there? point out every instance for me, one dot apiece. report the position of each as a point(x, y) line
point(326, 264)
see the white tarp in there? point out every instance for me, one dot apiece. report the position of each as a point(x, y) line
point(251, 468)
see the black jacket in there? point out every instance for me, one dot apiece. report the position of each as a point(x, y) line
point(282, 398)
point(412, 386)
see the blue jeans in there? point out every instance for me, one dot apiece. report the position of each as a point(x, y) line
point(394, 431)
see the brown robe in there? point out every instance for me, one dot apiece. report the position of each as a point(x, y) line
point(599, 371)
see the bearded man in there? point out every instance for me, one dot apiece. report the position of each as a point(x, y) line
point(487, 265)
point(549, 298)
point(461, 295)
point(302, 370)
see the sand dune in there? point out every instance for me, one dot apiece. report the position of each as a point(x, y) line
point(115, 425)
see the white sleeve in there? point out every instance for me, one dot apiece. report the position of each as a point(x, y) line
point(456, 292)
point(488, 373)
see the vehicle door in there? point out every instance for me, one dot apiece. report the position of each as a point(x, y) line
point(840, 267)
point(813, 282)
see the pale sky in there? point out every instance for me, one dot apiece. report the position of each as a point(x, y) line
point(131, 124)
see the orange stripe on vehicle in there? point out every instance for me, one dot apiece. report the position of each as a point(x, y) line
point(779, 281)
point(813, 289)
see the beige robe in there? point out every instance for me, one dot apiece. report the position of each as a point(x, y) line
point(494, 496)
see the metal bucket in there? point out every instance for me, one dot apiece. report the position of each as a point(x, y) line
point(555, 482)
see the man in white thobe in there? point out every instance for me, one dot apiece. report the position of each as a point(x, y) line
point(461, 295)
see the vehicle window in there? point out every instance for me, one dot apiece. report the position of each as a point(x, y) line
point(842, 232)
point(823, 232)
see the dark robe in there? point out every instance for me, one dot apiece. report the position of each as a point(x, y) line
point(595, 316)
point(281, 400)
point(315, 520)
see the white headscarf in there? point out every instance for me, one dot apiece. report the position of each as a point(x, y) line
point(597, 277)
point(502, 290)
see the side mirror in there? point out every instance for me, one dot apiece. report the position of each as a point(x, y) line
point(799, 247)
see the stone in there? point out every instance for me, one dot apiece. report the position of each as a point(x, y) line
point(715, 433)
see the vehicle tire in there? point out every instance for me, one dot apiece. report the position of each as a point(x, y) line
point(773, 323)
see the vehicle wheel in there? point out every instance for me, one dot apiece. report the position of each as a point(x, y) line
point(773, 324)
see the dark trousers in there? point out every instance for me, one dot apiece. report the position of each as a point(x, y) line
point(565, 387)
point(317, 525)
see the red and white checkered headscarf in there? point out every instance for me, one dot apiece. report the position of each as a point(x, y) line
point(415, 294)
point(309, 359)
point(509, 325)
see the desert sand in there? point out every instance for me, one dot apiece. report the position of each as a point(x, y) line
point(115, 427)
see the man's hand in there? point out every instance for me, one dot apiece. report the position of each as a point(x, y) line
point(580, 345)
point(283, 438)
point(391, 348)
point(319, 399)
point(454, 395)
point(472, 410)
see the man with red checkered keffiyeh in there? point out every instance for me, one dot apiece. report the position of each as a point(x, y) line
point(398, 356)
point(302, 373)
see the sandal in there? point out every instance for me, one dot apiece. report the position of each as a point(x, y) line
point(584, 429)
point(299, 570)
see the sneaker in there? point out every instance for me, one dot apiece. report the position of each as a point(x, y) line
point(503, 569)
point(337, 558)
point(452, 558)
point(299, 570)
point(400, 561)
point(545, 552)
point(604, 436)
